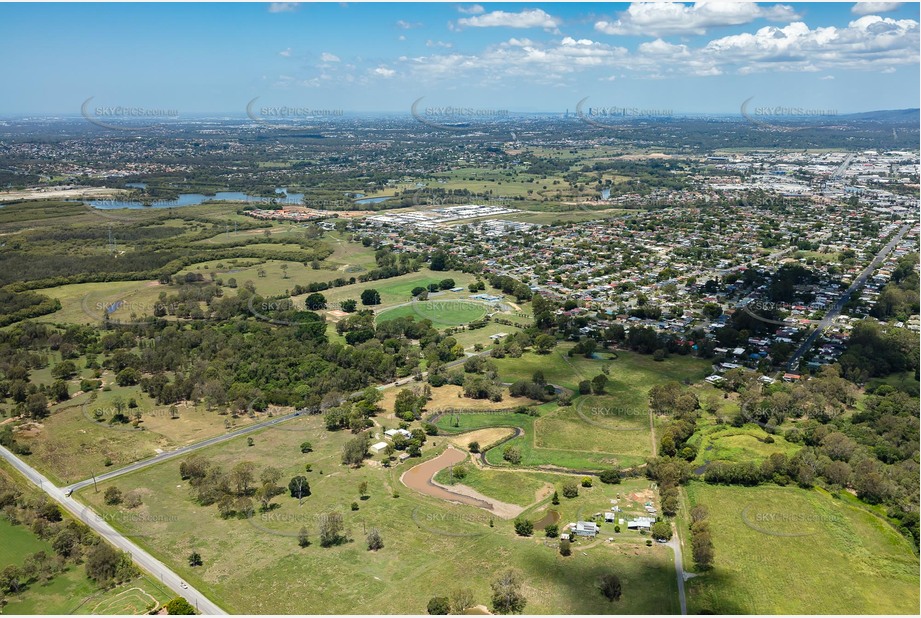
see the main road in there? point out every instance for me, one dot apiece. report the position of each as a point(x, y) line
point(101, 527)
point(835, 310)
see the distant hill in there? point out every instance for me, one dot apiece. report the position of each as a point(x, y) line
point(895, 116)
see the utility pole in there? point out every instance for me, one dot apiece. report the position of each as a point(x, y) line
point(95, 487)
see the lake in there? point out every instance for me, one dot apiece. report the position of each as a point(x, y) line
point(194, 199)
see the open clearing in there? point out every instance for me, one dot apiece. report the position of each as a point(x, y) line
point(812, 550)
point(419, 532)
point(441, 313)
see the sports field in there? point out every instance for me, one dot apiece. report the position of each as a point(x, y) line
point(442, 313)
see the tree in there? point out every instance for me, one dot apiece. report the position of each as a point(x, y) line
point(555, 499)
point(439, 261)
point(570, 490)
point(299, 488)
point(315, 301)
point(355, 450)
point(370, 297)
point(303, 537)
point(611, 477)
point(512, 454)
point(544, 343)
point(661, 531)
point(348, 305)
point(331, 527)
point(180, 607)
point(242, 475)
point(11, 579)
point(461, 600)
point(306, 447)
point(599, 382)
point(702, 546)
point(524, 527)
point(195, 559)
point(609, 584)
point(439, 606)
point(507, 597)
point(105, 564)
point(375, 542)
point(552, 531)
point(284, 269)
point(363, 489)
point(474, 447)
point(64, 370)
point(565, 547)
point(112, 495)
point(128, 376)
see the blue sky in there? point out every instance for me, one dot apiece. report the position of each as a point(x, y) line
point(684, 58)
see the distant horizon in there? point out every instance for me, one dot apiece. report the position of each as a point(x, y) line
point(407, 112)
point(703, 59)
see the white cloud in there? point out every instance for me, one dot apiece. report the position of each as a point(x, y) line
point(328, 57)
point(826, 78)
point(285, 53)
point(473, 9)
point(868, 43)
point(405, 25)
point(283, 7)
point(402, 37)
point(663, 18)
point(444, 44)
point(528, 18)
point(874, 8)
point(384, 72)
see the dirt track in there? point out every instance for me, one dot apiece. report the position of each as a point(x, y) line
point(420, 477)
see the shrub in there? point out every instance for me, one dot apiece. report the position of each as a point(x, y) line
point(586, 481)
point(570, 490)
point(524, 527)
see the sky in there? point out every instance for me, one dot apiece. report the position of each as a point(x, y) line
point(706, 57)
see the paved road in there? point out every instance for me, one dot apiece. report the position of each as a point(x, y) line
point(144, 560)
point(184, 450)
point(675, 544)
point(835, 310)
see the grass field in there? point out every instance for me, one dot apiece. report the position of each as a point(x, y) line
point(69, 592)
point(595, 432)
point(70, 445)
point(814, 555)
point(442, 313)
point(87, 303)
point(521, 488)
point(396, 290)
point(430, 547)
point(724, 443)
point(18, 542)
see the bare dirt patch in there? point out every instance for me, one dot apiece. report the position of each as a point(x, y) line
point(484, 437)
point(420, 478)
point(450, 397)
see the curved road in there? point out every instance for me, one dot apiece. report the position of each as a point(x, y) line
point(86, 515)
